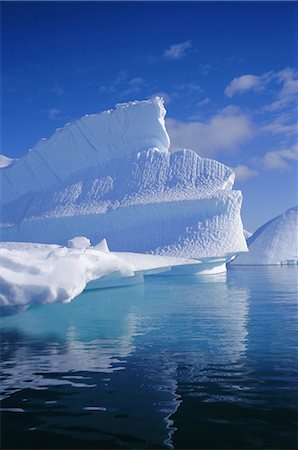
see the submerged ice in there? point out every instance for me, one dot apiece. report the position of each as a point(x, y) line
point(111, 175)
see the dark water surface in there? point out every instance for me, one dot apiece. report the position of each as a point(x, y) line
point(197, 363)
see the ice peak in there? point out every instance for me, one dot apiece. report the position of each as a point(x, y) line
point(91, 141)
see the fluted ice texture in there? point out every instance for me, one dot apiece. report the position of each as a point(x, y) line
point(111, 175)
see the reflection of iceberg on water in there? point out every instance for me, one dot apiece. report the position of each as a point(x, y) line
point(201, 329)
point(113, 354)
point(82, 359)
point(71, 338)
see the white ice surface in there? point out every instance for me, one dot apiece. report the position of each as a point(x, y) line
point(45, 273)
point(92, 141)
point(41, 273)
point(276, 242)
point(79, 242)
point(145, 263)
point(111, 176)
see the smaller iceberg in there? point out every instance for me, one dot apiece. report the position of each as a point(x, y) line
point(274, 243)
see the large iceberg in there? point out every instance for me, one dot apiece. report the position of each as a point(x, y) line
point(111, 175)
point(276, 242)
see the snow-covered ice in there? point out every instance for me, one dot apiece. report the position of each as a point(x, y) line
point(93, 141)
point(43, 273)
point(111, 175)
point(276, 242)
point(47, 273)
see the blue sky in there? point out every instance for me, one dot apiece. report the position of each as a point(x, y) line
point(227, 71)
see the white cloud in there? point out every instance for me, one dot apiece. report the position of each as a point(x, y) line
point(177, 51)
point(203, 102)
point(243, 172)
point(284, 124)
point(288, 78)
point(278, 159)
point(246, 83)
point(285, 81)
point(54, 113)
point(225, 131)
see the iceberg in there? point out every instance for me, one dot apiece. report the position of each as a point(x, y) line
point(274, 243)
point(111, 175)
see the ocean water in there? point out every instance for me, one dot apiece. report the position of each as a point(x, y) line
point(182, 362)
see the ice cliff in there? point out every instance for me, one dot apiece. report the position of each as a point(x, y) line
point(111, 175)
point(276, 242)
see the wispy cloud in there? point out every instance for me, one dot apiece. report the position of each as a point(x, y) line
point(134, 86)
point(54, 113)
point(189, 88)
point(123, 85)
point(203, 102)
point(247, 83)
point(284, 123)
point(204, 69)
point(177, 51)
point(224, 132)
point(287, 95)
point(115, 84)
point(243, 172)
point(279, 159)
point(285, 81)
point(277, 117)
point(187, 91)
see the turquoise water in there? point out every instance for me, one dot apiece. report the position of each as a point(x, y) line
point(197, 363)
